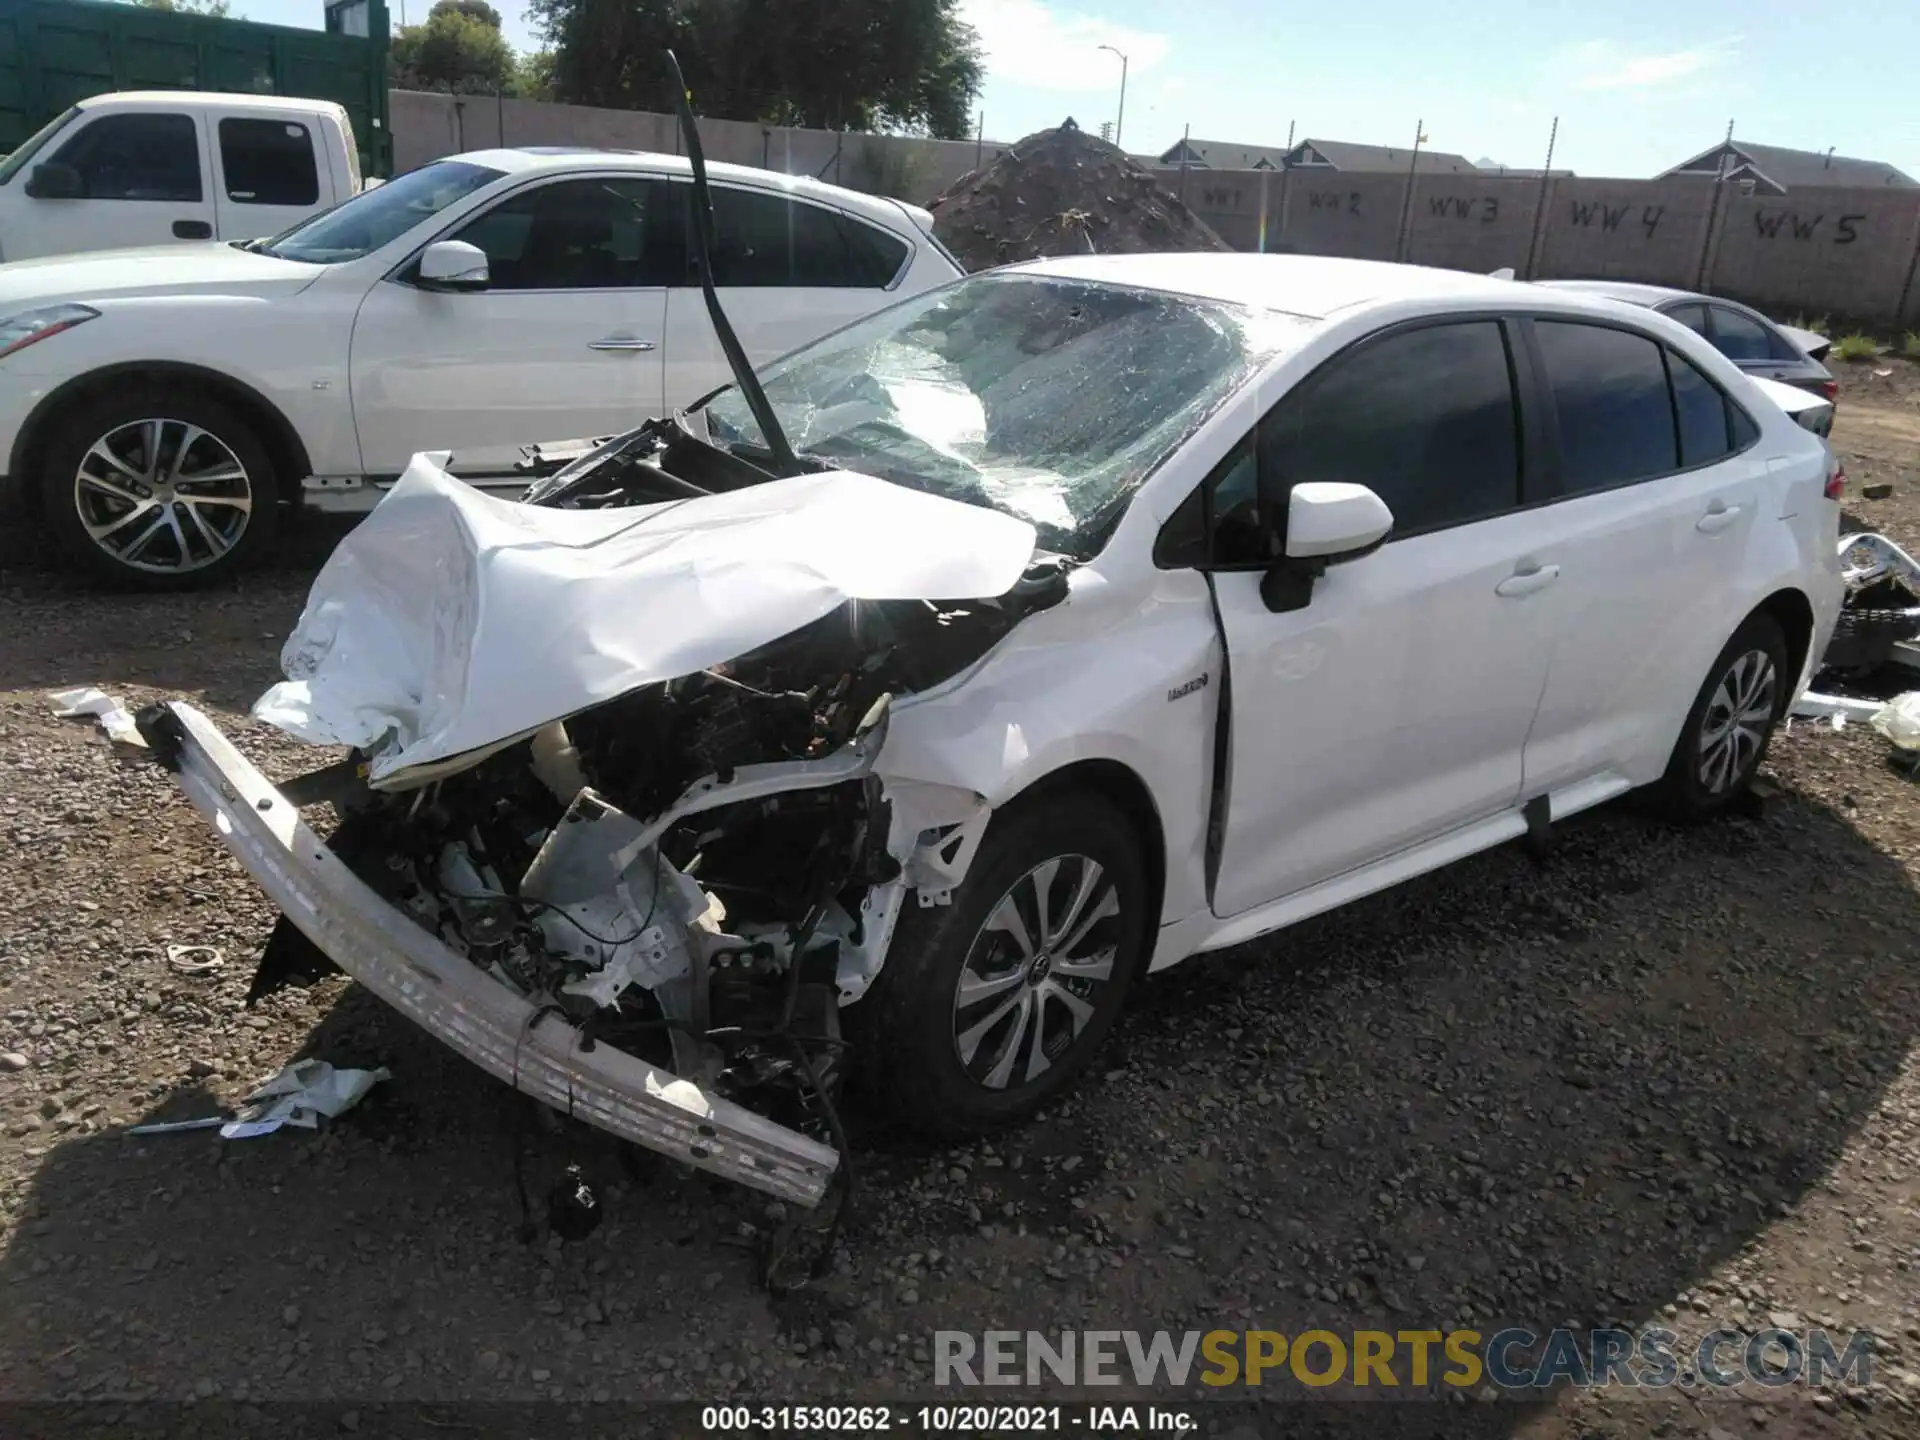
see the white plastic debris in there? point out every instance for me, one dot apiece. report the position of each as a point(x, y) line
point(85, 700)
point(195, 959)
point(1899, 720)
point(1837, 708)
point(299, 1095)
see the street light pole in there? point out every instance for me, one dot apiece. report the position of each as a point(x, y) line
point(1121, 119)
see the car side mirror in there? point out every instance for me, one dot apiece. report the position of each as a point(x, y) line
point(454, 265)
point(54, 181)
point(1328, 523)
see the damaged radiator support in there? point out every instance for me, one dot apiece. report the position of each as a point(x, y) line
point(466, 1007)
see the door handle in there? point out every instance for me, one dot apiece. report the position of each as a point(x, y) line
point(192, 230)
point(619, 342)
point(1525, 582)
point(1718, 517)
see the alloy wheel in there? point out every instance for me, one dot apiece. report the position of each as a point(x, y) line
point(1738, 717)
point(163, 496)
point(1039, 971)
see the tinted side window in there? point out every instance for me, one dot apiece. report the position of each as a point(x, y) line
point(610, 234)
point(762, 239)
point(1694, 317)
point(268, 162)
point(1610, 395)
point(1706, 430)
point(136, 157)
point(1739, 338)
point(1425, 419)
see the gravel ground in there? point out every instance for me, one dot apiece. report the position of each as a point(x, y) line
point(1662, 1077)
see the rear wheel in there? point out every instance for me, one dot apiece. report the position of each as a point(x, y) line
point(996, 1003)
point(1731, 723)
point(158, 489)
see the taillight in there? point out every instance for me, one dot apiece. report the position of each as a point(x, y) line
point(1830, 389)
point(1836, 477)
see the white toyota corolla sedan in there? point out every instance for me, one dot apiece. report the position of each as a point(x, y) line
point(1038, 632)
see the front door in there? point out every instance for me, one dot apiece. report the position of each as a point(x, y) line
point(143, 181)
point(564, 344)
point(787, 271)
point(1395, 706)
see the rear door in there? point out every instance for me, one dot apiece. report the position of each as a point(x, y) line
point(787, 270)
point(143, 178)
point(1653, 497)
point(565, 343)
point(269, 173)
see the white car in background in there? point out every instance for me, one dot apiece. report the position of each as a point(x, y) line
point(1023, 638)
point(159, 407)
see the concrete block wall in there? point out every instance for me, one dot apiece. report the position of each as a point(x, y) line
point(430, 126)
point(1829, 251)
point(1846, 254)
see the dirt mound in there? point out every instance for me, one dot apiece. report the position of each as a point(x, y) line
point(1064, 192)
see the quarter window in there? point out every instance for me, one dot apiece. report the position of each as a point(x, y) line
point(762, 239)
point(603, 234)
point(268, 162)
point(136, 156)
point(1610, 396)
point(1703, 414)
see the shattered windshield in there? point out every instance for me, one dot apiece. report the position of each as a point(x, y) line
point(1048, 398)
point(370, 219)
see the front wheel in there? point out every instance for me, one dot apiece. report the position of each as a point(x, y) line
point(158, 489)
point(1727, 731)
point(992, 1005)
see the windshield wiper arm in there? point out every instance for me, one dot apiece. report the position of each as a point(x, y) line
point(784, 461)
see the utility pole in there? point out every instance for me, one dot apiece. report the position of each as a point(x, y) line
point(1120, 120)
point(1406, 204)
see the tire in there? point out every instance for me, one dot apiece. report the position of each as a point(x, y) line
point(1706, 775)
point(189, 511)
point(952, 1070)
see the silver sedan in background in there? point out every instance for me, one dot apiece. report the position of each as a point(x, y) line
point(1756, 344)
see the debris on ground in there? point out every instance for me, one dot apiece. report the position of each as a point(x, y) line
point(1899, 721)
point(1064, 192)
point(195, 959)
point(84, 701)
point(1882, 609)
point(299, 1095)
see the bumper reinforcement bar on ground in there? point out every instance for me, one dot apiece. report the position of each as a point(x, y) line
point(441, 991)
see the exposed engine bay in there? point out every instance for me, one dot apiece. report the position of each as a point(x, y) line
point(699, 872)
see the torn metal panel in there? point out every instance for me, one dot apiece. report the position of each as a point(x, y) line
point(451, 622)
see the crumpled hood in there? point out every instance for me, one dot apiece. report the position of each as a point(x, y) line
point(214, 268)
point(452, 622)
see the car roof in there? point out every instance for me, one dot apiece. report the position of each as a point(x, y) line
point(221, 101)
point(1629, 291)
point(560, 159)
point(1313, 286)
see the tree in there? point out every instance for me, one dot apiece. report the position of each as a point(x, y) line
point(453, 51)
point(477, 9)
point(533, 76)
point(829, 64)
point(218, 9)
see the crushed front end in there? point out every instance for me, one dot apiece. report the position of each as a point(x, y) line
point(648, 909)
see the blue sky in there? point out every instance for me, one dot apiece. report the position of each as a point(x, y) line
point(1637, 84)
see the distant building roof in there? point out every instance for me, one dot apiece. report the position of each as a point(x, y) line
point(1346, 156)
point(1224, 155)
point(1776, 169)
point(1312, 155)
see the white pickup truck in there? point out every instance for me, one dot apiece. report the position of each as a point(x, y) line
point(150, 167)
